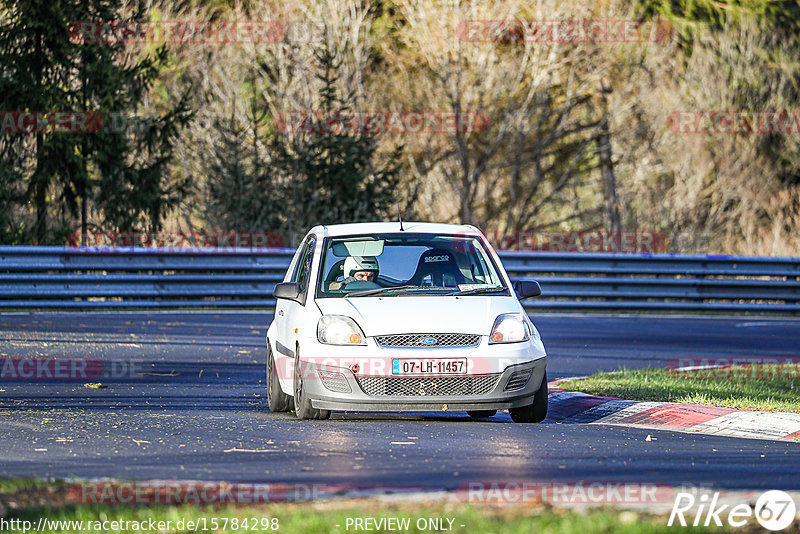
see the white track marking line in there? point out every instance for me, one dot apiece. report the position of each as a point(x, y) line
point(627, 412)
point(751, 425)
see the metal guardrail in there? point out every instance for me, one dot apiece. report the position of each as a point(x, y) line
point(57, 277)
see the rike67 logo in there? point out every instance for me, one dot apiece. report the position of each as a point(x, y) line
point(774, 510)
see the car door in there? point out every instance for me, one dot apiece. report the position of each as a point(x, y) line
point(294, 310)
point(282, 339)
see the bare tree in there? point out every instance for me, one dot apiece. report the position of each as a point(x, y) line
point(606, 163)
point(538, 97)
point(715, 191)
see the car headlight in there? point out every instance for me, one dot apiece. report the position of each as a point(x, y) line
point(339, 330)
point(509, 328)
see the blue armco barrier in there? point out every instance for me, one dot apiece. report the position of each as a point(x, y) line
point(72, 278)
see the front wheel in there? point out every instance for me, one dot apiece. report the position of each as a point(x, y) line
point(302, 404)
point(277, 400)
point(535, 412)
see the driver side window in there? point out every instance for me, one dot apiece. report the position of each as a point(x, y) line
point(304, 264)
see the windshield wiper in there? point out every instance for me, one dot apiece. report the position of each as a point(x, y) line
point(477, 290)
point(379, 290)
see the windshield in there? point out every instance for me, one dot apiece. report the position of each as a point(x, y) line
point(407, 264)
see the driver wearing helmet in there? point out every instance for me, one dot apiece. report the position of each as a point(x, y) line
point(360, 268)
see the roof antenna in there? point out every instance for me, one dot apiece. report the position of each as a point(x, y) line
point(400, 217)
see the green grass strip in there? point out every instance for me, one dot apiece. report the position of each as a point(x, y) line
point(768, 388)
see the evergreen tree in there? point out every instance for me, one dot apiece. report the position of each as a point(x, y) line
point(242, 193)
point(42, 69)
point(331, 175)
point(288, 182)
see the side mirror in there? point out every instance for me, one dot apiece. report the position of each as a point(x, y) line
point(527, 288)
point(287, 290)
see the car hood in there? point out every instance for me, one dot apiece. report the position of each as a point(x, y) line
point(472, 314)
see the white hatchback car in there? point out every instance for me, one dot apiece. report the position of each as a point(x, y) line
point(403, 317)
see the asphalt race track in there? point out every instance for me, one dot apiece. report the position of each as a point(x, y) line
point(188, 403)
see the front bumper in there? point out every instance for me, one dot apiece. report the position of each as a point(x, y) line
point(496, 398)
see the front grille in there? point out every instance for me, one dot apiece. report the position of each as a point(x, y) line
point(429, 341)
point(413, 386)
point(518, 380)
point(334, 381)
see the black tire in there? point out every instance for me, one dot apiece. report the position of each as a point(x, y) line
point(302, 404)
point(277, 400)
point(481, 414)
point(535, 412)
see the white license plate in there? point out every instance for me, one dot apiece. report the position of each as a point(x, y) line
point(429, 366)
